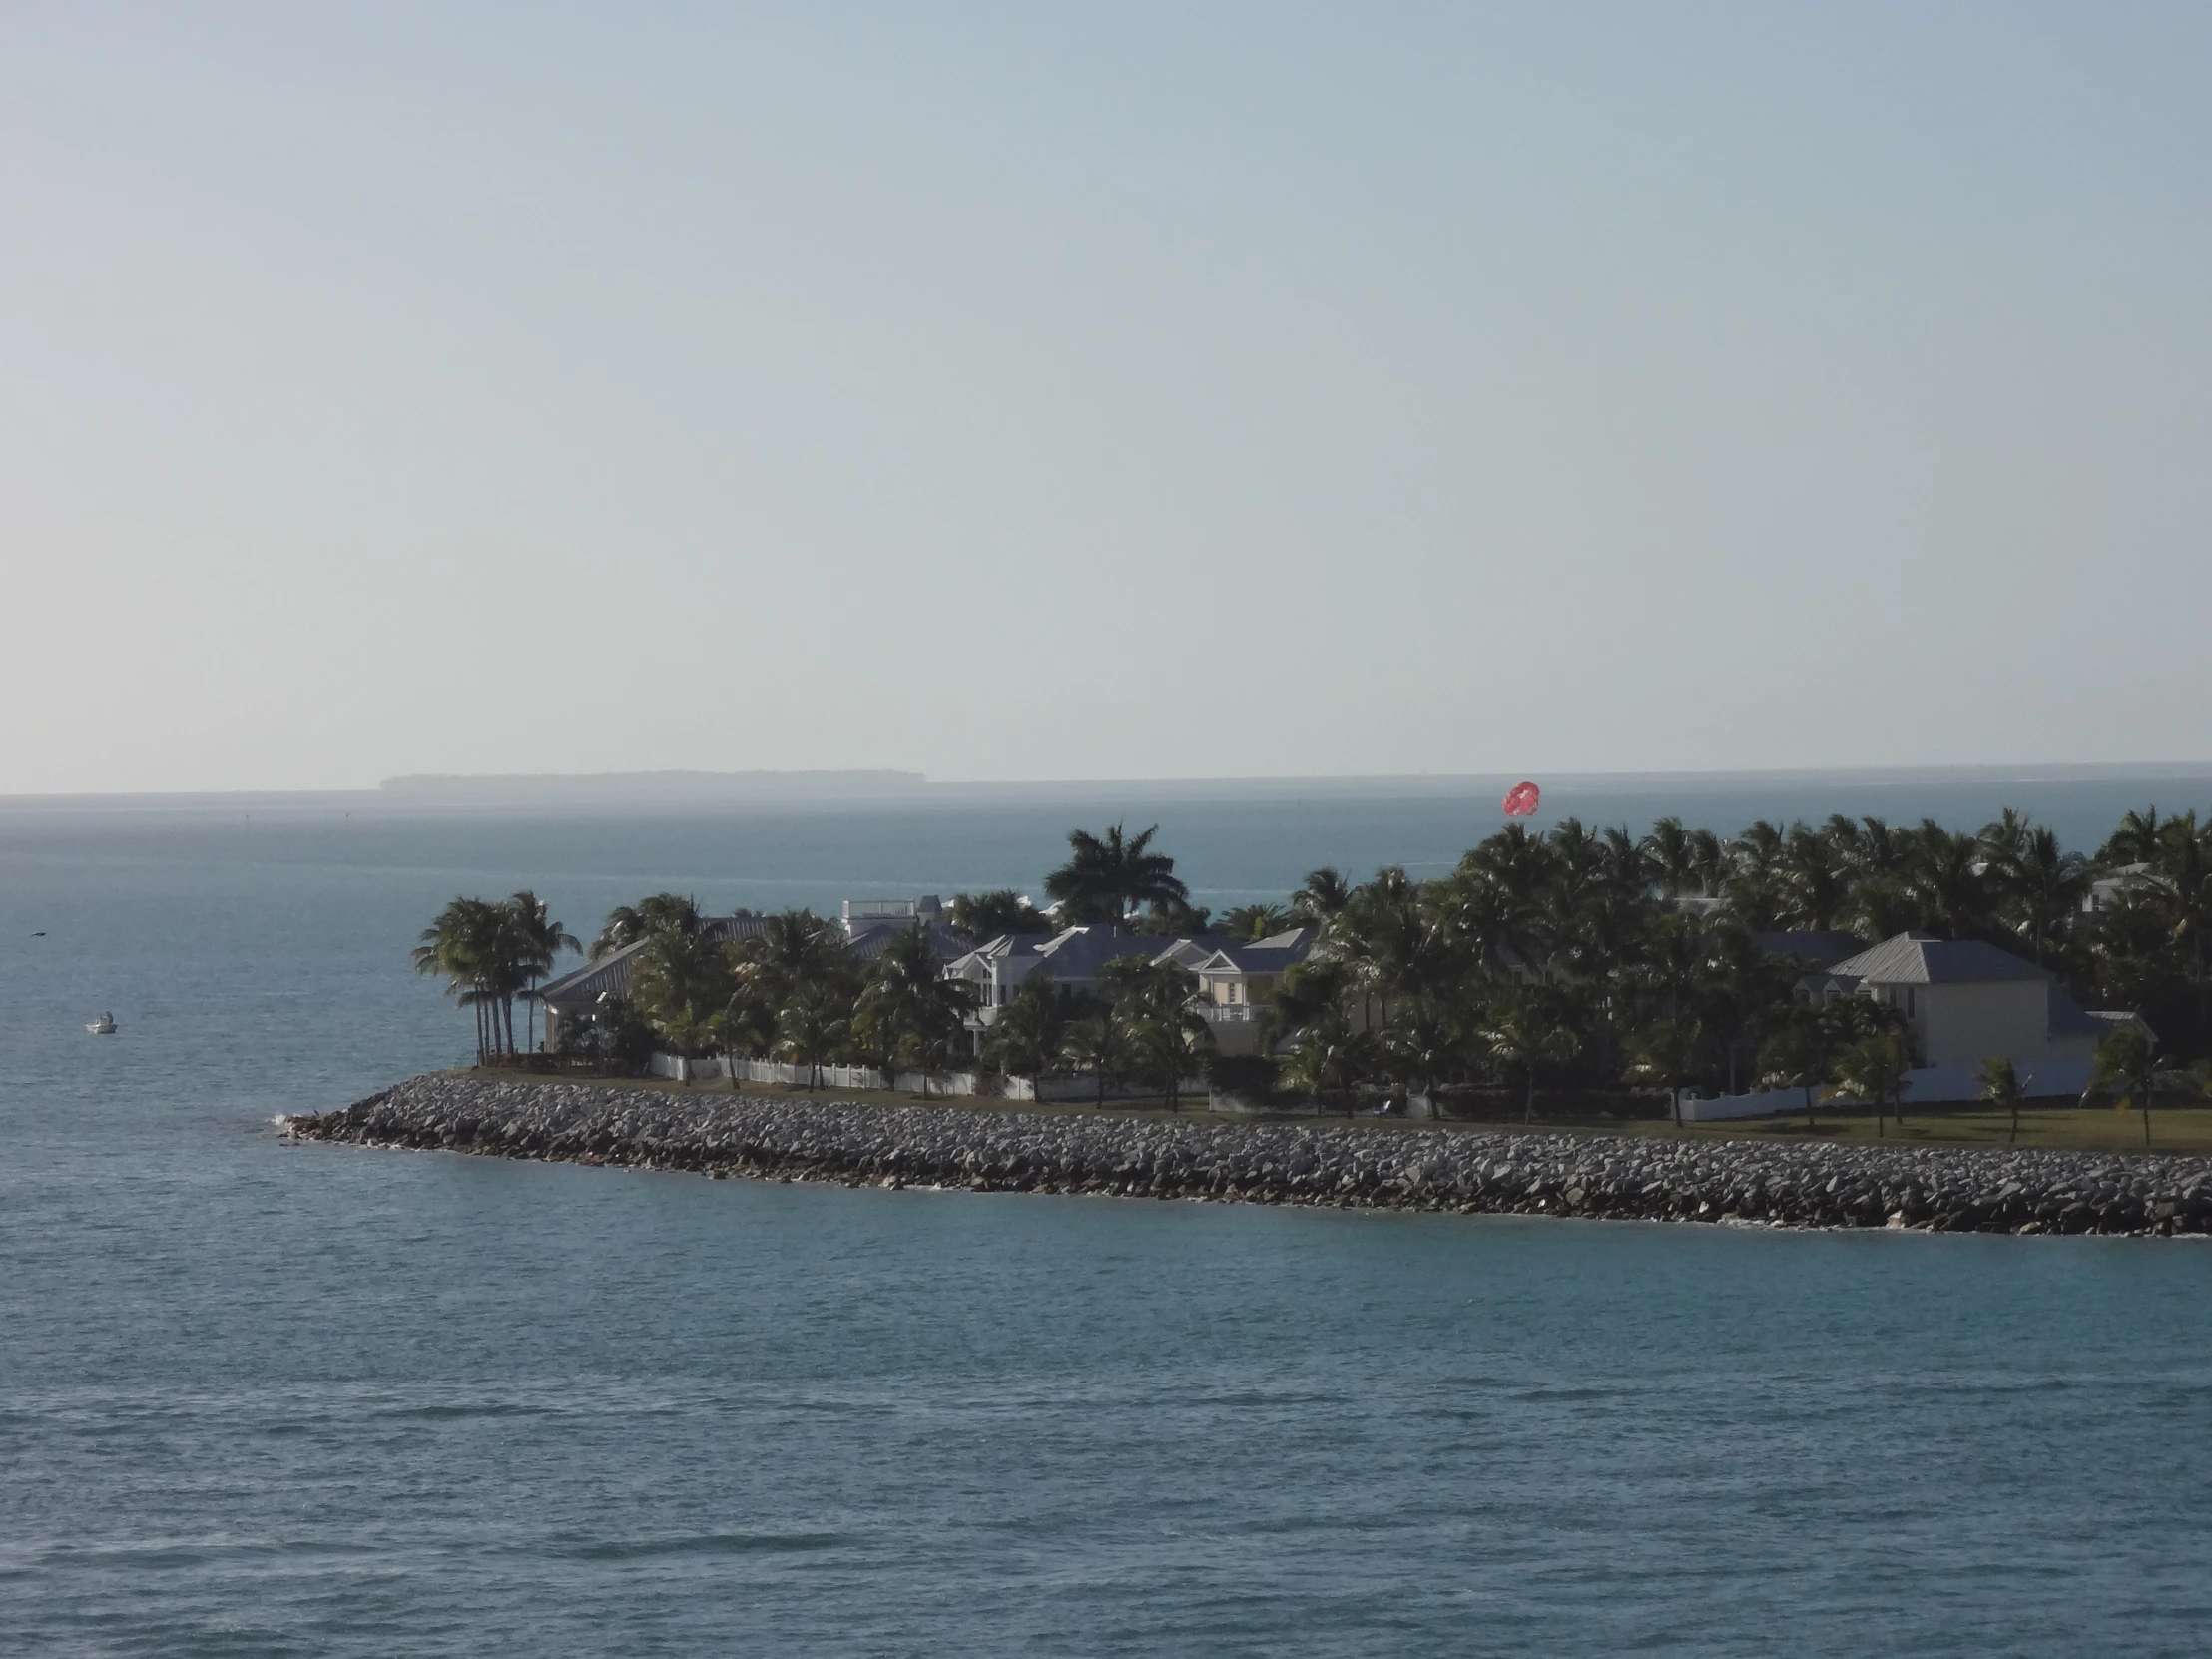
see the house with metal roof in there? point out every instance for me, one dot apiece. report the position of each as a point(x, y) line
point(1243, 976)
point(1965, 1001)
point(1070, 960)
point(1235, 981)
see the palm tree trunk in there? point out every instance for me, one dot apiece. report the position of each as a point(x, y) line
point(1528, 1107)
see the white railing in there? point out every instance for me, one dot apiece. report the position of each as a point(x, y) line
point(986, 1084)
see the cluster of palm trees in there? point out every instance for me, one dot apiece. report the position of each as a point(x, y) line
point(492, 953)
point(1593, 958)
point(790, 990)
point(1141, 1026)
point(1599, 956)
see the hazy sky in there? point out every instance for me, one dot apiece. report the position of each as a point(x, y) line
point(1040, 392)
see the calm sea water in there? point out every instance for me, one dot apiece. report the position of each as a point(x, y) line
point(259, 1399)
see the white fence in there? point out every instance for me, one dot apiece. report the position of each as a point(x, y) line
point(1761, 1103)
point(905, 1082)
point(1923, 1085)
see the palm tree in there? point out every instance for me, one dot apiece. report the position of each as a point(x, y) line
point(1165, 1031)
point(1522, 870)
point(462, 945)
point(981, 917)
point(1793, 1056)
point(793, 949)
point(809, 1028)
point(1880, 852)
point(1253, 923)
point(626, 925)
point(1321, 895)
point(1874, 1069)
point(1420, 1043)
point(1663, 1053)
point(1026, 1038)
point(1950, 882)
point(680, 982)
point(2003, 1086)
point(1100, 1046)
point(539, 940)
point(1328, 1058)
point(743, 1027)
point(1670, 855)
point(1709, 858)
point(2043, 885)
point(2181, 893)
point(1110, 878)
point(1815, 882)
point(1526, 1031)
point(1174, 919)
point(910, 1006)
point(2135, 842)
point(2123, 1062)
point(1310, 990)
point(1621, 866)
point(1390, 943)
point(1756, 886)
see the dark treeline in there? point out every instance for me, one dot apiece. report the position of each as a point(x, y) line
point(1581, 958)
point(1595, 957)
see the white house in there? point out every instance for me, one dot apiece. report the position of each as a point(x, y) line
point(1069, 960)
point(1235, 981)
point(1965, 1002)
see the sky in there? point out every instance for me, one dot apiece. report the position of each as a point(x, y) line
point(1040, 392)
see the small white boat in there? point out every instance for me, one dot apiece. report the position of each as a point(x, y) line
point(103, 1026)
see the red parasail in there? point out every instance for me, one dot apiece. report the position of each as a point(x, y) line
point(1521, 799)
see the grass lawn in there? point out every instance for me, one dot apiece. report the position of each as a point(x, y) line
point(2177, 1128)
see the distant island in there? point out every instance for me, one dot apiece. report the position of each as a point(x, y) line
point(570, 788)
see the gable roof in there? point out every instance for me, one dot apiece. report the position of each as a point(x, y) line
point(872, 940)
point(1272, 954)
point(1924, 959)
point(584, 986)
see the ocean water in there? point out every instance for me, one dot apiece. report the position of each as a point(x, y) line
point(258, 1398)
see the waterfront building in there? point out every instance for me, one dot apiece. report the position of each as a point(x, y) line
point(1965, 1002)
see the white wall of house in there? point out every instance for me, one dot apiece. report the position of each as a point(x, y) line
point(1961, 1025)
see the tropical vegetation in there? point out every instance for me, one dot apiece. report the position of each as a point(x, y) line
point(492, 955)
point(1579, 959)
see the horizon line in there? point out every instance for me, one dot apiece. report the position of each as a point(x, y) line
point(791, 786)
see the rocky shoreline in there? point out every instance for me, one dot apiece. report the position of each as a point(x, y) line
point(1619, 1176)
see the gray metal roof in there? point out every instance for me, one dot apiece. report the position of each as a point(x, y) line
point(1924, 959)
point(583, 987)
point(871, 941)
point(1273, 954)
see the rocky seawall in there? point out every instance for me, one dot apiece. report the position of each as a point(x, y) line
point(1622, 1177)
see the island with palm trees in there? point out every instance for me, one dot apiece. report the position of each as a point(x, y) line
point(1573, 974)
point(1546, 1002)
